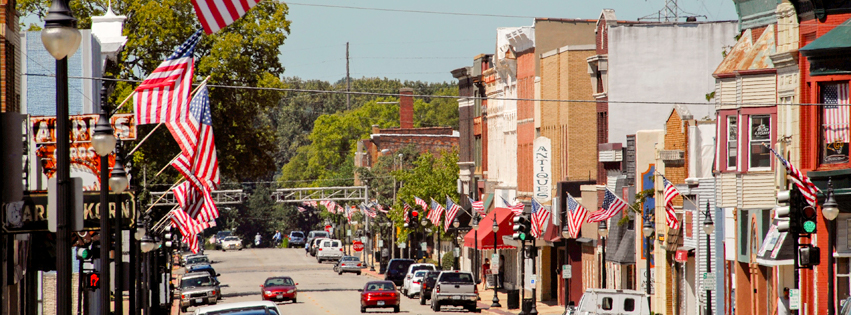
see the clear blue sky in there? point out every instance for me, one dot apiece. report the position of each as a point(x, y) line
point(424, 46)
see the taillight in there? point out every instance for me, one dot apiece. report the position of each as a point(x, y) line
point(341, 249)
point(183, 296)
point(359, 265)
point(320, 249)
point(416, 282)
point(214, 293)
point(476, 289)
point(437, 288)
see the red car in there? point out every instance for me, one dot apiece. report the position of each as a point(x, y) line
point(379, 294)
point(279, 289)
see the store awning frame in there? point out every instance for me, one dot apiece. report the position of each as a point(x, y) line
point(485, 231)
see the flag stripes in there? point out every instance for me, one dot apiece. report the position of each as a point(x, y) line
point(218, 14)
point(671, 192)
point(164, 95)
point(611, 206)
point(576, 214)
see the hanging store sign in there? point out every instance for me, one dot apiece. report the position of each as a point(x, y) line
point(542, 169)
point(31, 214)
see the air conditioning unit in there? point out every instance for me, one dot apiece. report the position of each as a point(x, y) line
point(672, 155)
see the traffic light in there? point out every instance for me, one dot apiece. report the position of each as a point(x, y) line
point(808, 256)
point(808, 219)
point(788, 210)
point(168, 237)
point(84, 253)
point(91, 280)
point(415, 219)
point(521, 227)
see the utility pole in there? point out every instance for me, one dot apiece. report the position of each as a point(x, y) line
point(348, 80)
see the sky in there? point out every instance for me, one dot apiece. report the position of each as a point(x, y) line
point(427, 46)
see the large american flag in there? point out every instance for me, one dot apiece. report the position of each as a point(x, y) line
point(451, 211)
point(540, 215)
point(611, 206)
point(807, 188)
point(407, 209)
point(576, 214)
point(671, 192)
point(517, 209)
point(436, 212)
point(197, 201)
point(835, 114)
point(478, 206)
point(421, 203)
point(194, 134)
point(218, 14)
point(329, 205)
point(164, 95)
point(188, 227)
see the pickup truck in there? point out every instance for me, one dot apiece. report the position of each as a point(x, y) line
point(454, 288)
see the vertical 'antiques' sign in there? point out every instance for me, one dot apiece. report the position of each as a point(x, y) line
point(542, 169)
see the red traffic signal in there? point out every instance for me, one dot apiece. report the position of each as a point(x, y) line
point(415, 213)
point(91, 280)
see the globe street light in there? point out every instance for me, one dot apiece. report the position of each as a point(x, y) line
point(495, 228)
point(118, 182)
point(830, 210)
point(475, 226)
point(603, 230)
point(455, 264)
point(61, 39)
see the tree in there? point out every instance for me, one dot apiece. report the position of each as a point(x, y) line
point(433, 176)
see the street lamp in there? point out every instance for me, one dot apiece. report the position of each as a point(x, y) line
point(830, 210)
point(648, 237)
point(118, 182)
point(61, 39)
point(565, 235)
point(495, 228)
point(603, 230)
point(455, 264)
point(475, 226)
point(103, 142)
point(708, 227)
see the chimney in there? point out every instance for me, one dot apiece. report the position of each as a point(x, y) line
point(374, 129)
point(406, 108)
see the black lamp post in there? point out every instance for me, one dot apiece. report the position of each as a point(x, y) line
point(103, 142)
point(648, 237)
point(565, 235)
point(61, 39)
point(495, 228)
point(118, 182)
point(603, 230)
point(708, 227)
point(830, 210)
point(455, 264)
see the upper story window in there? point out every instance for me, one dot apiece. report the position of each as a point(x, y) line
point(834, 122)
point(732, 141)
point(760, 140)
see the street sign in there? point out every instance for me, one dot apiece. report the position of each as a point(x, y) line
point(794, 299)
point(424, 246)
point(328, 228)
point(708, 280)
point(357, 246)
point(566, 272)
point(348, 232)
point(380, 243)
point(402, 245)
point(363, 239)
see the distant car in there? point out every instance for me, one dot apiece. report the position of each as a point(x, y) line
point(413, 268)
point(186, 257)
point(221, 236)
point(348, 264)
point(197, 289)
point(316, 234)
point(379, 294)
point(428, 286)
point(279, 289)
point(329, 250)
point(197, 260)
point(413, 283)
point(241, 308)
point(397, 269)
point(232, 243)
point(296, 239)
point(314, 245)
point(213, 275)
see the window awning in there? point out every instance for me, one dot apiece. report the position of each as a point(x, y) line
point(828, 53)
point(777, 249)
point(683, 252)
point(485, 232)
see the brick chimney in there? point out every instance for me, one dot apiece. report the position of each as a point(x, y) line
point(406, 108)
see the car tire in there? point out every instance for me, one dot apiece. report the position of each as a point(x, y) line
point(435, 306)
point(295, 300)
point(340, 273)
point(395, 309)
point(223, 250)
point(363, 309)
point(184, 309)
point(358, 273)
point(422, 299)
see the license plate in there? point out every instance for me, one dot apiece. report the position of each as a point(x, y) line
point(199, 301)
point(380, 302)
point(280, 296)
point(456, 297)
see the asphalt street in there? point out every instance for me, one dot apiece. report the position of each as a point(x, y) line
point(321, 291)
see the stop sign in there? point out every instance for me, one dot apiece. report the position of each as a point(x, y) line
point(357, 246)
point(328, 228)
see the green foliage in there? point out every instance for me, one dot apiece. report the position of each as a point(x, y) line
point(448, 260)
point(636, 207)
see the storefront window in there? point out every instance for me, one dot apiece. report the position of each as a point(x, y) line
point(843, 279)
point(834, 123)
point(732, 141)
point(760, 138)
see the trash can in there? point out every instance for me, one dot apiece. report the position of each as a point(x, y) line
point(513, 299)
point(527, 305)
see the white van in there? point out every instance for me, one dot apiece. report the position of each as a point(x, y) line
point(609, 301)
point(329, 250)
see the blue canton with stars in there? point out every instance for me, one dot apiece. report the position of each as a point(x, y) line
point(199, 108)
point(187, 48)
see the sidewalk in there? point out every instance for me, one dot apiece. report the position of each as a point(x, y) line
point(487, 298)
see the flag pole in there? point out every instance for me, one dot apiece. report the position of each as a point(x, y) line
point(163, 195)
point(675, 187)
point(167, 164)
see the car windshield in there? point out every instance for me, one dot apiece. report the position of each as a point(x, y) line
point(198, 260)
point(320, 234)
point(420, 274)
point(222, 234)
point(278, 281)
point(379, 286)
point(456, 277)
point(251, 310)
point(231, 238)
point(297, 234)
point(196, 282)
point(422, 267)
point(350, 259)
point(432, 275)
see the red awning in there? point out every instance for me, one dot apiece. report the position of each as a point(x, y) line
point(504, 218)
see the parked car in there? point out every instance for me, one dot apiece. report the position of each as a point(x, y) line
point(197, 260)
point(232, 243)
point(413, 283)
point(197, 289)
point(410, 274)
point(454, 288)
point(397, 269)
point(329, 250)
point(221, 236)
point(349, 264)
point(279, 289)
point(428, 286)
point(314, 245)
point(186, 256)
point(316, 234)
point(296, 239)
point(379, 294)
point(610, 301)
point(241, 308)
point(210, 271)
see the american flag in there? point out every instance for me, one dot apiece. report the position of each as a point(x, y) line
point(671, 192)
point(835, 114)
point(339, 208)
point(517, 209)
point(807, 188)
point(349, 211)
point(576, 214)
point(421, 203)
point(407, 210)
point(197, 202)
point(436, 212)
point(194, 135)
point(218, 14)
point(164, 95)
point(611, 206)
point(478, 206)
point(301, 209)
point(367, 211)
point(378, 206)
point(188, 227)
point(451, 212)
point(312, 203)
point(329, 205)
point(540, 215)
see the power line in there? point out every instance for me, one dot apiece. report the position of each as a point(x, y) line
point(363, 93)
point(411, 11)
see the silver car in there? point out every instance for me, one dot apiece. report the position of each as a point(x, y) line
point(349, 264)
point(197, 289)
